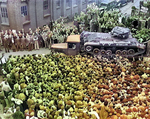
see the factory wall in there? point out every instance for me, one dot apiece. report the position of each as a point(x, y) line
point(25, 14)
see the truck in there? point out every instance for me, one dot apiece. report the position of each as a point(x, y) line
point(117, 42)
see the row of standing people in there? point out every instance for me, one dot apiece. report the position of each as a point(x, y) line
point(19, 41)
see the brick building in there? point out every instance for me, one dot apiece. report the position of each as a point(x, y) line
point(18, 14)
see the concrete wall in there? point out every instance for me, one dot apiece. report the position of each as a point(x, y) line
point(41, 16)
point(84, 6)
point(57, 10)
point(11, 14)
point(67, 9)
point(37, 16)
point(75, 8)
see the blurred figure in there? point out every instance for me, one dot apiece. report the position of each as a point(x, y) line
point(36, 44)
point(31, 42)
point(2, 37)
point(13, 45)
point(0, 42)
point(6, 43)
point(30, 31)
point(17, 43)
point(28, 41)
point(23, 42)
point(44, 36)
point(50, 33)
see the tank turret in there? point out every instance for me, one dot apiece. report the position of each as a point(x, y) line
point(120, 32)
point(118, 42)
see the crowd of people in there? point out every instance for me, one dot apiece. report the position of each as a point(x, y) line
point(21, 40)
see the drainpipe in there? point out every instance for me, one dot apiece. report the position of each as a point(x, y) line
point(36, 16)
point(0, 19)
point(52, 8)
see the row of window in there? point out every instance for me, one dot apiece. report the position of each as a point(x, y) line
point(24, 9)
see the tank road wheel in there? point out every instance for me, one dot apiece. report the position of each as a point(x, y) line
point(88, 48)
point(96, 51)
point(103, 52)
point(124, 53)
point(131, 51)
point(118, 52)
point(108, 52)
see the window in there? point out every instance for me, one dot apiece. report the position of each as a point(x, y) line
point(24, 11)
point(72, 45)
point(4, 15)
point(45, 4)
point(58, 3)
point(68, 3)
point(74, 2)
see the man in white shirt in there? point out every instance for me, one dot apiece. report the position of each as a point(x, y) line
point(36, 44)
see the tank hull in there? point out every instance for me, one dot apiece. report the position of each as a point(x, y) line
point(107, 45)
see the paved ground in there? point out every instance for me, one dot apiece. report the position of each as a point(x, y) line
point(127, 9)
point(21, 53)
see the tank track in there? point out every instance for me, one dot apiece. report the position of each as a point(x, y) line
point(137, 54)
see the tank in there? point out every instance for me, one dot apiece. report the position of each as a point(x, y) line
point(118, 42)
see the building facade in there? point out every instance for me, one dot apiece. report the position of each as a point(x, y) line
point(25, 14)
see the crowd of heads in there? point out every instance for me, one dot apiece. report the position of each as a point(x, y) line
point(41, 37)
point(21, 40)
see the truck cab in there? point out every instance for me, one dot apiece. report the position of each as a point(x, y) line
point(71, 47)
